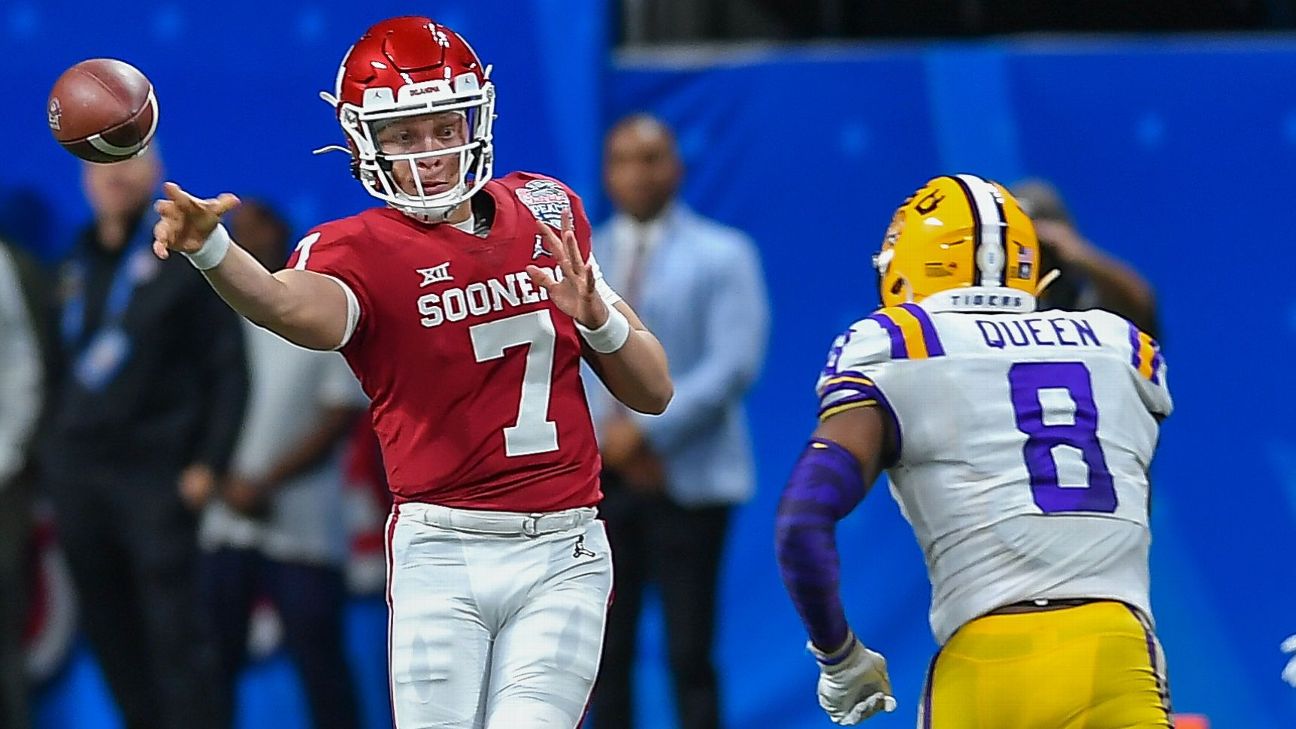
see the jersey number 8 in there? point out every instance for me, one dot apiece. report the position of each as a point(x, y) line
point(1048, 427)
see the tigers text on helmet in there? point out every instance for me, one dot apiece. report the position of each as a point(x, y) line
point(960, 243)
point(410, 68)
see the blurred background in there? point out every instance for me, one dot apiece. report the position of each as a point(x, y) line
point(1169, 128)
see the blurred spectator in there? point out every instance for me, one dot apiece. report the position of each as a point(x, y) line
point(145, 413)
point(22, 396)
point(1089, 278)
point(369, 502)
point(671, 481)
point(279, 528)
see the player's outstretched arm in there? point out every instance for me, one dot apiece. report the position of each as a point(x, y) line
point(626, 356)
point(842, 460)
point(303, 307)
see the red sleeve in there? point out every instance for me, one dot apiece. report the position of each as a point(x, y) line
point(329, 250)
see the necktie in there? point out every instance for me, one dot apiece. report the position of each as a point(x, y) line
point(635, 265)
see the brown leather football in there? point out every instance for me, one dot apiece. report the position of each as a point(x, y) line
point(103, 110)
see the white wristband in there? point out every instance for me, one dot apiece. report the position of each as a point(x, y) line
point(213, 250)
point(611, 336)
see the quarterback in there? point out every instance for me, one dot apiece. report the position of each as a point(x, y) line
point(465, 306)
point(1017, 445)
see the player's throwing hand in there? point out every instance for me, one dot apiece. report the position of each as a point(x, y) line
point(186, 221)
point(574, 295)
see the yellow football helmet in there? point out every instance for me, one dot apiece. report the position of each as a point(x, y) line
point(960, 243)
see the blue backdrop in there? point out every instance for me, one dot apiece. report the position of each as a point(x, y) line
point(1177, 154)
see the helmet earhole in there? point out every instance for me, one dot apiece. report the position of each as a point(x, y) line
point(897, 287)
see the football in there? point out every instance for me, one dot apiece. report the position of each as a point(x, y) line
point(103, 110)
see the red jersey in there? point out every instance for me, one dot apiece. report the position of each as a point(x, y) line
point(474, 374)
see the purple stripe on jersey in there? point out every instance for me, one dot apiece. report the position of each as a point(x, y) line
point(934, 348)
point(1134, 346)
point(898, 348)
point(843, 387)
point(1157, 361)
point(859, 397)
point(864, 392)
point(849, 385)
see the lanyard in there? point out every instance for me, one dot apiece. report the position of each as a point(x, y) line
point(130, 272)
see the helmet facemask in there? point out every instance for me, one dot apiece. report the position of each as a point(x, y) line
point(379, 157)
point(890, 280)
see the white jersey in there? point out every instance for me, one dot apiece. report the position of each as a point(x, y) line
point(1023, 453)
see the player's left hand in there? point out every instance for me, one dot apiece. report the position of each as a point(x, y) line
point(575, 294)
point(1289, 673)
point(856, 687)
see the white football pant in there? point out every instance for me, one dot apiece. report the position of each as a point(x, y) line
point(495, 618)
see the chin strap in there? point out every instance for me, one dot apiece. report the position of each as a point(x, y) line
point(1044, 282)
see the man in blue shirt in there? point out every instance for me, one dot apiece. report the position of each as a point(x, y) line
point(672, 480)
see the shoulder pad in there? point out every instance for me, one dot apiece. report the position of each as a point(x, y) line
point(910, 333)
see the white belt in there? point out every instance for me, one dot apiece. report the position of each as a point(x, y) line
point(511, 523)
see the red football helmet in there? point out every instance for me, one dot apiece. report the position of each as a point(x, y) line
point(405, 67)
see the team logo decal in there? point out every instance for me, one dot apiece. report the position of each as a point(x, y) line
point(435, 274)
point(539, 249)
point(547, 201)
point(929, 202)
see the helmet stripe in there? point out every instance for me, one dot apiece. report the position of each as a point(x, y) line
point(989, 223)
point(976, 226)
point(1002, 231)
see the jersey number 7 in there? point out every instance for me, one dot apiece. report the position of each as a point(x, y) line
point(1039, 393)
point(533, 432)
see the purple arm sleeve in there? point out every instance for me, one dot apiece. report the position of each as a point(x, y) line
point(824, 486)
